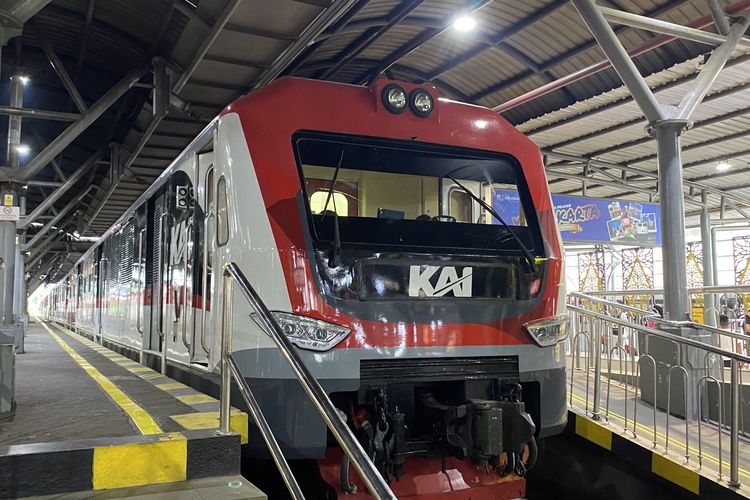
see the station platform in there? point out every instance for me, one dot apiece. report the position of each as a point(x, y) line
point(643, 444)
point(88, 419)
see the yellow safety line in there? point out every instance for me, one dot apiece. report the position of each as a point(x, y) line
point(678, 443)
point(145, 423)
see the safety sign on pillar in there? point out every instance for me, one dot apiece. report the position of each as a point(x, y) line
point(9, 212)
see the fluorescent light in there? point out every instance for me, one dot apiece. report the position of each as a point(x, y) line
point(23, 149)
point(464, 23)
point(24, 79)
point(723, 166)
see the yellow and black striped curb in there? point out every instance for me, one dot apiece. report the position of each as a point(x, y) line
point(206, 415)
point(108, 463)
point(648, 460)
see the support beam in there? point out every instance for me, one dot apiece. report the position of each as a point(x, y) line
point(720, 18)
point(69, 183)
point(160, 95)
point(647, 46)
point(44, 247)
point(205, 45)
point(620, 59)
point(43, 230)
point(75, 129)
point(39, 113)
point(417, 42)
point(711, 70)
point(368, 38)
point(663, 27)
point(57, 65)
point(329, 16)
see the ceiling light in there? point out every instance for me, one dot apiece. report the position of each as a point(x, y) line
point(723, 166)
point(24, 79)
point(23, 149)
point(464, 23)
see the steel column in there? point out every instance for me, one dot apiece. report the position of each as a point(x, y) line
point(160, 99)
point(8, 228)
point(50, 200)
point(14, 121)
point(75, 129)
point(709, 305)
point(620, 59)
point(672, 211)
point(734, 437)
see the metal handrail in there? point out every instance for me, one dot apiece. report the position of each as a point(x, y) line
point(185, 308)
point(735, 396)
point(691, 291)
point(655, 317)
point(232, 273)
point(658, 333)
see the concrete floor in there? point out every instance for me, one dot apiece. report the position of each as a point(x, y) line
point(56, 400)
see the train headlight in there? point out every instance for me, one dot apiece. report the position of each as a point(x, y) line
point(394, 98)
point(309, 333)
point(421, 103)
point(548, 331)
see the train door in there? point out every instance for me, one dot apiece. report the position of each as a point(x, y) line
point(138, 283)
point(181, 263)
point(99, 291)
point(156, 282)
point(206, 246)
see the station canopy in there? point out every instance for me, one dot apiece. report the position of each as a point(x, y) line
point(593, 135)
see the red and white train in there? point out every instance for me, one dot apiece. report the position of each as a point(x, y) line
point(363, 217)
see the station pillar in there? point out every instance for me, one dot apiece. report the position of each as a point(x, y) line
point(710, 309)
point(672, 211)
point(9, 213)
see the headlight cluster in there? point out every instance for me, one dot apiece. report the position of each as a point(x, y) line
point(396, 100)
point(548, 331)
point(309, 333)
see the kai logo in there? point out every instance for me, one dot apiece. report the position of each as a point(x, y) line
point(421, 279)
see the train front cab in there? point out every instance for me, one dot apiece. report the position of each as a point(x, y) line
point(434, 327)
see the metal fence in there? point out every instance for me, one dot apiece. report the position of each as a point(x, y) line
point(618, 349)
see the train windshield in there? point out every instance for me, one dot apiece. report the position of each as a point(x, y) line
point(405, 195)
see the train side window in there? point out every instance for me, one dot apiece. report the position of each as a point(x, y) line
point(222, 217)
point(209, 191)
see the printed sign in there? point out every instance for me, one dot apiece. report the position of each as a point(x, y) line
point(7, 200)
point(592, 220)
point(9, 213)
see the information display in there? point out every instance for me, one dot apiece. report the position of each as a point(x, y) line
point(592, 220)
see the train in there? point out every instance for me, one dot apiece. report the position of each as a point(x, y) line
point(365, 219)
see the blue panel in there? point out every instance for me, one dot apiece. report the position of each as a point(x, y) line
point(592, 220)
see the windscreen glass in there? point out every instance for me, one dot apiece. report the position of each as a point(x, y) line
point(405, 195)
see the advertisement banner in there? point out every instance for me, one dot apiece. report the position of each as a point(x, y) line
point(592, 220)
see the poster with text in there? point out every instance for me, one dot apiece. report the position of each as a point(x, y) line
point(592, 220)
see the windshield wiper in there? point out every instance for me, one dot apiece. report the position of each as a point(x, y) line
point(526, 252)
point(336, 248)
